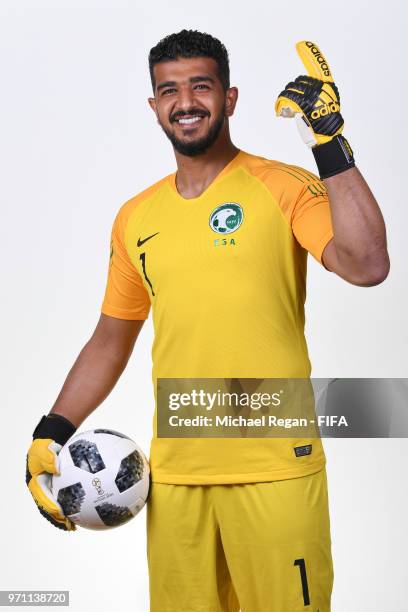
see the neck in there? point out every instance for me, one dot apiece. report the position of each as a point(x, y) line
point(195, 174)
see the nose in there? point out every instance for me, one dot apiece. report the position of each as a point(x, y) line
point(185, 99)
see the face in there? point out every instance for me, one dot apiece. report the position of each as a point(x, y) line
point(190, 103)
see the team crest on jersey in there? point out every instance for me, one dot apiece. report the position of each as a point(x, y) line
point(226, 218)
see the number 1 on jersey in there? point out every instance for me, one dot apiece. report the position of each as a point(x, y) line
point(142, 257)
point(303, 576)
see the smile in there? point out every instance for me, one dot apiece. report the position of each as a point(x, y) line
point(189, 121)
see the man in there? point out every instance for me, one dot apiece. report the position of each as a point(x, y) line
point(218, 249)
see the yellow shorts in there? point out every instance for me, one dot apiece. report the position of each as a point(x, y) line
point(259, 547)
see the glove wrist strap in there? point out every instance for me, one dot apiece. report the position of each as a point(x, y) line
point(333, 157)
point(54, 426)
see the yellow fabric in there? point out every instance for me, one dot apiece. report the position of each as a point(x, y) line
point(216, 548)
point(223, 310)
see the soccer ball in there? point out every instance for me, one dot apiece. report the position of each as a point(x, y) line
point(103, 481)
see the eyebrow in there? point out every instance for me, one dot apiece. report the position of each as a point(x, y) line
point(194, 79)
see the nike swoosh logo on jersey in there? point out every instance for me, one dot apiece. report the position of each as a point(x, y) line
point(140, 242)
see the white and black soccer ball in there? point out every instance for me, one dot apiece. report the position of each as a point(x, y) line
point(103, 480)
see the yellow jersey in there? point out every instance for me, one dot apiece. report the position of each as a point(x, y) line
point(225, 277)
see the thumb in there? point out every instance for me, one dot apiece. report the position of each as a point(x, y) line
point(42, 456)
point(54, 449)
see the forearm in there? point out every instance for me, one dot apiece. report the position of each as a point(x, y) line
point(359, 230)
point(93, 375)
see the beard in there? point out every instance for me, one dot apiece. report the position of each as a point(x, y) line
point(201, 145)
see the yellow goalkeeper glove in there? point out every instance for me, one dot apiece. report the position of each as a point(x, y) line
point(49, 437)
point(315, 101)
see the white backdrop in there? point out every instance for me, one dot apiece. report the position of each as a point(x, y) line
point(77, 140)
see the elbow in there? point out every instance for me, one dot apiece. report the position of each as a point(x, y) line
point(373, 275)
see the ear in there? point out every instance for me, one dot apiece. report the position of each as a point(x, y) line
point(231, 100)
point(152, 103)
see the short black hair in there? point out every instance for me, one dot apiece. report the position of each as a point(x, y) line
point(191, 43)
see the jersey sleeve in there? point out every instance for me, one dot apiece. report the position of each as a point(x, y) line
point(311, 218)
point(125, 295)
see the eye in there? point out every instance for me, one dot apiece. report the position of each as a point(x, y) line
point(166, 91)
point(202, 85)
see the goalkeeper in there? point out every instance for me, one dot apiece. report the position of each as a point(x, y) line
point(218, 250)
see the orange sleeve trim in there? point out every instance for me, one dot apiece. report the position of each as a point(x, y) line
point(321, 245)
point(119, 313)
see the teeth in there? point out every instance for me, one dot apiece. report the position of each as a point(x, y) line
point(192, 120)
